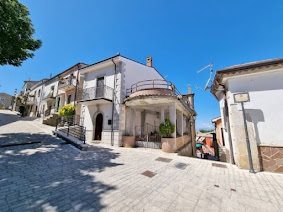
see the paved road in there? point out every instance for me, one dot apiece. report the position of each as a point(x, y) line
point(51, 176)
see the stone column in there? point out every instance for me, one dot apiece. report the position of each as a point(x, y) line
point(143, 122)
point(162, 119)
point(133, 125)
point(172, 117)
point(193, 136)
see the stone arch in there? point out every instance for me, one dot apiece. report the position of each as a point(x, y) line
point(94, 121)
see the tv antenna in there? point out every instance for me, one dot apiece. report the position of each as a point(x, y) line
point(210, 66)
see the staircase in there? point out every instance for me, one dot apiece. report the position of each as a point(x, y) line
point(50, 120)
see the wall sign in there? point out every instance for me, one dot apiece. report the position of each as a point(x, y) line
point(241, 97)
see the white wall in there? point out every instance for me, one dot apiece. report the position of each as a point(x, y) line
point(89, 114)
point(266, 104)
point(136, 72)
point(107, 73)
point(128, 73)
point(47, 88)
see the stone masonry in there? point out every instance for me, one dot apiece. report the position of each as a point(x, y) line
point(271, 158)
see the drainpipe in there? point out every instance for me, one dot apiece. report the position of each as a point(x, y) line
point(113, 104)
point(77, 82)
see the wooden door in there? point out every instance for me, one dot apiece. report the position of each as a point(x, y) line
point(98, 127)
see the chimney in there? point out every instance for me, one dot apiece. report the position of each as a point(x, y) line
point(189, 90)
point(189, 98)
point(50, 75)
point(149, 61)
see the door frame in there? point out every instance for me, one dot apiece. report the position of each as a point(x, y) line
point(95, 124)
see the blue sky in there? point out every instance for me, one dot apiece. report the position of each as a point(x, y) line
point(181, 36)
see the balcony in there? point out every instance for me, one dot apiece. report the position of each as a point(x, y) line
point(157, 90)
point(153, 87)
point(66, 84)
point(49, 96)
point(95, 93)
point(31, 101)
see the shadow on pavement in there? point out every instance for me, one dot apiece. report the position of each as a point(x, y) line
point(8, 117)
point(51, 176)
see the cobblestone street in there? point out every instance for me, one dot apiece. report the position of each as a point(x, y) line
point(49, 175)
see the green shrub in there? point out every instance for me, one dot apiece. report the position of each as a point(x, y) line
point(67, 110)
point(166, 129)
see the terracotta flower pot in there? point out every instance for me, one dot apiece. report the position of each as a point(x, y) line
point(128, 141)
point(168, 145)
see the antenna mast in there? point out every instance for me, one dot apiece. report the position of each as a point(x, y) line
point(210, 66)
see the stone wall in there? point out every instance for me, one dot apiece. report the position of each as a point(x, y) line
point(239, 140)
point(271, 158)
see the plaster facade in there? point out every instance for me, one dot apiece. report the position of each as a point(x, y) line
point(263, 112)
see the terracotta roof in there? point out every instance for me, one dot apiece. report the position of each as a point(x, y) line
point(250, 65)
point(241, 68)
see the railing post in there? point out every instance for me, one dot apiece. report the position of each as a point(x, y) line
point(56, 123)
point(68, 128)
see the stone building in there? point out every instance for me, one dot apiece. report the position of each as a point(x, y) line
point(123, 98)
point(262, 80)
point(6, 101)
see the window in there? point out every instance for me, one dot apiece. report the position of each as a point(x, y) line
point(71, 79)
point(58, 102)
point(69, 99)
point(39, 93)
point(35, 93)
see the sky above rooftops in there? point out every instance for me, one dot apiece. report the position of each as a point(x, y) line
point(181, 36)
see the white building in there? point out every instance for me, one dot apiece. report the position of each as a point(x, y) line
point(34, 100)
point(263, 80)
point(142, 100)
point(47, 96)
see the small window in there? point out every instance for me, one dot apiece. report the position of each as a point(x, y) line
point(39, 93)
point(35, 93)
point(69, 99)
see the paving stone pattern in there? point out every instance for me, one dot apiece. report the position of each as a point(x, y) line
point(53, 177)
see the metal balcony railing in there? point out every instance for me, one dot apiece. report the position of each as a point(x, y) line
point(49, 95)
point(68, 82)
point(93, 93)
point(156, 84)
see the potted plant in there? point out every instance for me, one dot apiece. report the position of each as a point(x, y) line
point(166, 130)
point(128, 140)
point(67, 111)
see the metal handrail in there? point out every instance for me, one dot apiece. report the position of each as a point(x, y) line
point(72, 126)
